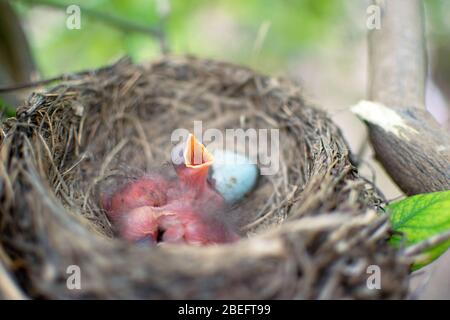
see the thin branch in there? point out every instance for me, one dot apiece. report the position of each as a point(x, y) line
point(32, 84)
point(63, 77)
point(163, 10)
point(114, 21)
point(427, 244)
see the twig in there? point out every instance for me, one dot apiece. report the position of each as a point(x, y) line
point(427, 244)
point(114, 21)
point(63, 77)
point(32, 84)
point(261, 37)
point(163, 11)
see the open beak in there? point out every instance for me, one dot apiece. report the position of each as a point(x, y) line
point(195, 163)
point(195, 154)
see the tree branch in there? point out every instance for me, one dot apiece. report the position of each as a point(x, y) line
point(114, 21)
point(397, 58)
point(429, 243)
point(409, 143)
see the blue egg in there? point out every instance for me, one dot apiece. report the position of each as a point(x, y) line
point(233, 175)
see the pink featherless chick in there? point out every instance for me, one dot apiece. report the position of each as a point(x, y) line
point(185, 210)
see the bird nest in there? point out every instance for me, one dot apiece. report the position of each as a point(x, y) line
point(311, 230)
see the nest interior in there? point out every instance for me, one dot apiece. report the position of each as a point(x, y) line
point(309, 231)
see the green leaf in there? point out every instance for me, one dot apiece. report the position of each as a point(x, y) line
point(418, 218)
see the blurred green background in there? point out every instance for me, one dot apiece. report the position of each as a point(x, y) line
point(224, 29)
point(265, 34)
point(318, 42)
point(221, 29)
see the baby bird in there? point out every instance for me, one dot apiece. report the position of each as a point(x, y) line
point(147, 191)
point(185, 210)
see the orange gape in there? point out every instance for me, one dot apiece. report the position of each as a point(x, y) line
point(186, 210)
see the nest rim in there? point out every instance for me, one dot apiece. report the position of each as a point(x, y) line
point(269, 261)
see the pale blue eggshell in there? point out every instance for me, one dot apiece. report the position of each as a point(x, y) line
point(233, 175)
